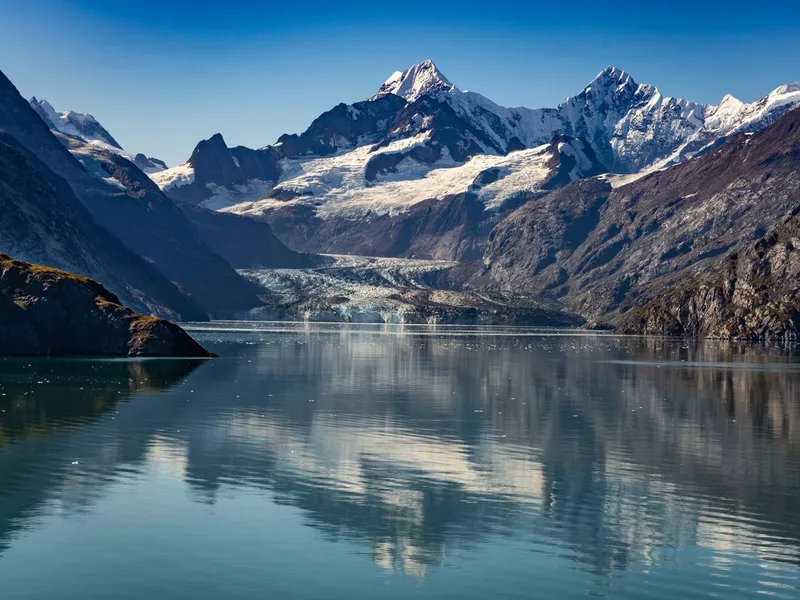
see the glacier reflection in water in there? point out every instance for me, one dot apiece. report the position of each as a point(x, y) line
point(456, 462)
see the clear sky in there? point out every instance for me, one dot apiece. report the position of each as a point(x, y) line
point(162, 75)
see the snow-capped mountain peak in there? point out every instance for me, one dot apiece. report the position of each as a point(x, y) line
point(89, 141)
point(612, 82)
point(611, 76)
point(730, 100)
point(80, 125)
point(416, 81)
point(45, 110)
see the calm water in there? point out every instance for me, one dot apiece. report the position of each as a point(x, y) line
point(374, 462)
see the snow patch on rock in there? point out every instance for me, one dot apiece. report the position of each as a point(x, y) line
point(175, 177)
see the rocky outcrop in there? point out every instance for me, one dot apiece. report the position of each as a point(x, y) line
point(149, 164)
point(48, 312)
point(751, 294)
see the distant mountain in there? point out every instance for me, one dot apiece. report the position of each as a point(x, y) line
point(415, 82)
point(216, 176)
point(602, 250)
point(243, 242)
point(80, 125)
point(86, 128)
point(421, 138)
point(629, 125)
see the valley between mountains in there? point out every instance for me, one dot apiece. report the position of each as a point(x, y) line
point(622, 208)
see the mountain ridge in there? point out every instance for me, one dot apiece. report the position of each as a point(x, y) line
point(631, 127)
point(635, 243)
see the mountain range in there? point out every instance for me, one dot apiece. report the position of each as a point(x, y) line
point(629, 126)
point(594, 207)
point(361, 178)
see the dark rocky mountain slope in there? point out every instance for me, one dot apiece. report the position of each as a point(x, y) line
point(44, 222)
point(48, 312)
point(751, 294)
point(243, 242)
point(601, 250)
point(144, 219)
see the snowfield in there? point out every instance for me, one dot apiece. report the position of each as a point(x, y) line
point(634, 130)
point(337, 185)
point(183, 174)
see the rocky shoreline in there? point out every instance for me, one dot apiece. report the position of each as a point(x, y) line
point(750, 295)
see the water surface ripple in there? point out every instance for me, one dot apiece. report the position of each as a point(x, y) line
point(370, 461)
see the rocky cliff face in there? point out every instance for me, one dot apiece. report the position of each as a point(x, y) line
point(526, 249)
point(344, 126)
point(216, 175)
point(751, 294)
point(47, 312)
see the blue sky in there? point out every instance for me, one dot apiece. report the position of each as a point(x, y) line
point(162, 75)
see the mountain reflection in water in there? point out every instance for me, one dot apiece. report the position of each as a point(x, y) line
point(420, 446)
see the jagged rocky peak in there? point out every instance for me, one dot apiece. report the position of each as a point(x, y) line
point(214, 146)
point(614, 86)
point(417, 80)
point(81, 125)
point(213, 162)
point(612, 75)
point(45, 110)
point(149, 164)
